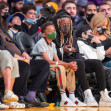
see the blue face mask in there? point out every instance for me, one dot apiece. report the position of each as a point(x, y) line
point(30, 21)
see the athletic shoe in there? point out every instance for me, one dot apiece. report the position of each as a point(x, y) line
point(105, 100)
point(89, 99)
point(3, 106)
point(10, 97)
point(67, 102)
point(78, 102)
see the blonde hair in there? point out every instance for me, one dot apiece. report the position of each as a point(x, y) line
point(62, 35)
point(99, 20)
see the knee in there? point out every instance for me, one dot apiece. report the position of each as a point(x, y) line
point(80, 63)
point(98, 63)
point(5, 54)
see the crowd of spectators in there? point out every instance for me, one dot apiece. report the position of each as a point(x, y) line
point(70, 39)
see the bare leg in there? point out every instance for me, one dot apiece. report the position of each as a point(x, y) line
point(7, 78)
point(12, 83)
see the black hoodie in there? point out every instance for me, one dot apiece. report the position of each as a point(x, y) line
point(66, 57)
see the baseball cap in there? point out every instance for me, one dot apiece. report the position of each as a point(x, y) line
point(16, 14)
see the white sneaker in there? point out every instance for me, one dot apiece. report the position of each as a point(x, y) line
point(3, 106)
point(89, 99)
point(105, 100)
point(10, 97)
point(78, 102)
point(67, 102)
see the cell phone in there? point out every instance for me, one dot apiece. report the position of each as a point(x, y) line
point(89, 39)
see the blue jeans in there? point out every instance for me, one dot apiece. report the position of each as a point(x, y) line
point(107, 64)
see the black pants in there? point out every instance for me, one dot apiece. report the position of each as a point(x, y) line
point(89, 66)
point(93, 65)
point(37, 71)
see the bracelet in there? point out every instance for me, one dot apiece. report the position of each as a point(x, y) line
point(56, 62)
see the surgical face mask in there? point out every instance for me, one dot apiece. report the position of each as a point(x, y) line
point(52, 35)
point(101, 30)
point(18, 27)
point(30, 21)
point(89, 17)
point(6, 15)
point(65, 29)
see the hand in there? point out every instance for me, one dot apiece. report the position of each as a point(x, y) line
point(26, 56)
point(18, 57)
point(68, 49)
point(73, 65)
point(96, 40)
point(108, 52)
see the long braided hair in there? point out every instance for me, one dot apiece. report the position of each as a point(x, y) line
point(59, 20)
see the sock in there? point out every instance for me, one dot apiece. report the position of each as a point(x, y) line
point(72, 95)
point(63, 94)
point(31, 95)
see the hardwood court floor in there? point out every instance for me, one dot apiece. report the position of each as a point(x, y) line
point(64, 109)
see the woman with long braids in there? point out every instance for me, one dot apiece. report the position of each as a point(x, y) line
point(68, 51)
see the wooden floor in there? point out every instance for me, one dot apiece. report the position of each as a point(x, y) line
point(64, 109)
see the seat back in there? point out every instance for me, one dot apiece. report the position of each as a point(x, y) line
point(24, 42)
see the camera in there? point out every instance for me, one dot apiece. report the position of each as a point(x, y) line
point(42, 20)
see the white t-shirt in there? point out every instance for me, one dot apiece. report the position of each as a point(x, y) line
point(43, 46)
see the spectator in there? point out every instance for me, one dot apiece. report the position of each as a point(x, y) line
point(15, 21)
point(47, 48)
point(70, 7)
point(67, 50)
point(16, 6)
point(48, 12)
point(9, 71)
point(81, 4)
point(85, 42)
point(100, 25)
point(39, 5)
point(90, 10)
point(29, 25)
point(105, 9)
point(31, 69)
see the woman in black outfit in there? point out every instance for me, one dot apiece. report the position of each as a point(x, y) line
point(37, 70)
point(101, 29)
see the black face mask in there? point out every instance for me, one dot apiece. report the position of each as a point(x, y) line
point(81, 13)
point(101, 30)
point(89, 17)
point(6, 15)
point(65, 29)
point(18, 27)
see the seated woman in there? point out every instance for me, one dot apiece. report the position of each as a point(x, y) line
point(100, 25)
point(9, 71)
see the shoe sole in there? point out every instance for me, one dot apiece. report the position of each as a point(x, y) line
point(93, 105)
point(10, 100)
point(104, 104)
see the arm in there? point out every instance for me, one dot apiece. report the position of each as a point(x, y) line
point(71, 65)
